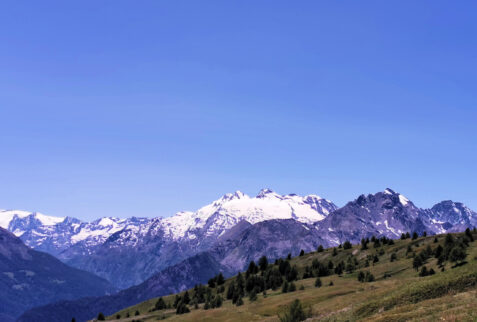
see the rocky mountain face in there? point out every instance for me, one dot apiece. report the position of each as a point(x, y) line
point(453, 216)
point(383, 214)
point(29, 278)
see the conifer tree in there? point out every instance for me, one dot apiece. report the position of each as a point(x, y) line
point(347, 245)
point(318, 282)
point(160, 304)
point(320, 249)
point(263, 263)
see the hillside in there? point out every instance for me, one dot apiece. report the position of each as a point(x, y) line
point(29, 278)
point(397, 293)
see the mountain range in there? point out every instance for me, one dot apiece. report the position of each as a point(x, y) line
point(226, 234)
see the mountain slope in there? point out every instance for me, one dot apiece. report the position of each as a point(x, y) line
point(232, 253)
point(397, 292)
point(30, 278)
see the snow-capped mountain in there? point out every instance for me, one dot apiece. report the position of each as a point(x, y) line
point(128, 251)
point(161, 242)
point(56, 234)
point(232, 208)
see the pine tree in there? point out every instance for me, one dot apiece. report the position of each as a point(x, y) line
point(100, 316)
point(160, 304)
point(263, 263)
point(393, 257)
point(302, 252)
point(231, 291)
point(318, 282)
point(320, 249)
point(220, 279)
point(252, 269)
point(182, 308)
point(375, 259)
point(73, 320)
point(335, 252)
point(457, 254)
point(423, 271)
point(364, 244)
point(186, 298)
point(417, 262)
point(211, 282)
point(347, 245)
point(137, 313)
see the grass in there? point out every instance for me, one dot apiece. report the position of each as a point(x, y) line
point(450, 295)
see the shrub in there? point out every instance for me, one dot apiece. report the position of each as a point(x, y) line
point(239, 302)
point(285, 287)
point(292, 287)
point(365, 277)
point(252, 296)
point(294, 313)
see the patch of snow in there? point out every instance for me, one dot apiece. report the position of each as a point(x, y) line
point(403, 200)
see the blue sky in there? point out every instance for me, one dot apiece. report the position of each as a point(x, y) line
point(121, 108)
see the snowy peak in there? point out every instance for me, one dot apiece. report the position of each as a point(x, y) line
point(267, 193)
point(18, 221)
point(231, 196)
point(232, 208)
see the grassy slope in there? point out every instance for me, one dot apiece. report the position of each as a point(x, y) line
point(451, 294)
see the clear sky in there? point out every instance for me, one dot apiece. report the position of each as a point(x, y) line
point(146, 108)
